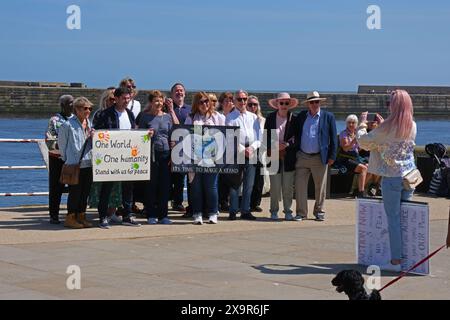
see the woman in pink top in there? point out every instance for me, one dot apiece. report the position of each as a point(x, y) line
point(204, 185)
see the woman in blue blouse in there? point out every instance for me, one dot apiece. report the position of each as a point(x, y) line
point(73, 136)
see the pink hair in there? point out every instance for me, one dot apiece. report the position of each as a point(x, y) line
point(401, 117)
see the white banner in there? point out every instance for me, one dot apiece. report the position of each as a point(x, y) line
point(372, 235)
point(121, 155)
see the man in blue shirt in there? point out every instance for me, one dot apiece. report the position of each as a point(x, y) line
point(182, 110)
point(316, 142)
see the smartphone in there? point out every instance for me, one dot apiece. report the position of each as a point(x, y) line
point(371, 117)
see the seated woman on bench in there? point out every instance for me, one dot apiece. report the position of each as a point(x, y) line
point(348, 154)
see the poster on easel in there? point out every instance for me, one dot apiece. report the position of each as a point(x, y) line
point(372, 235)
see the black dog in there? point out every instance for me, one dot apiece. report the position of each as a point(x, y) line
point(351, 282)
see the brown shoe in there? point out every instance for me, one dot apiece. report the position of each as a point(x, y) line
point(83, 221)
point(71, 222)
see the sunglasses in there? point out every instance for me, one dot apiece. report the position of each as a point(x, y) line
point(87, 108)
point(129, 87)
point(284, 103)
point(214, 101)
point(250, 104)
point(241, 99)
point(204, 101)
point(314, 102)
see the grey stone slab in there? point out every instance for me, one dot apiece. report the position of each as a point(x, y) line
point(15, 254)
point(13, 273)
point(26, 295)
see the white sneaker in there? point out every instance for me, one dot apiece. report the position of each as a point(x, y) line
point(213, 219)
point(115, 218)
point(198, 219)
point(391, 267)
point(274, 216)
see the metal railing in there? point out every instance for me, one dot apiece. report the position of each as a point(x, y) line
point(44, 151)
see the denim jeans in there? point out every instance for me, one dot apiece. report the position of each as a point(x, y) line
point(393, 194)
point(204, 190)
point(247, 182)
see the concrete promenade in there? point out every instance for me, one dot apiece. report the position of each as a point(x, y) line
point(231, 260)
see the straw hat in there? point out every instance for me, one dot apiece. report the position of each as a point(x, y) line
point(313, 96)
point(283, 96)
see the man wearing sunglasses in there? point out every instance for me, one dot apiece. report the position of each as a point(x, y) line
point(316, 145)
point(249, 142)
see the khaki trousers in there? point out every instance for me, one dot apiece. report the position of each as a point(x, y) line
point(305, 165)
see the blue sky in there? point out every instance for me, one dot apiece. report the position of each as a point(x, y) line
point(219, 45)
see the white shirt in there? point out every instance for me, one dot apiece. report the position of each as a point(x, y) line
point(249, 128)
point(135, 107)
point(124, 121)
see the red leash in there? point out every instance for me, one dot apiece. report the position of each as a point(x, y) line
point(413, 267)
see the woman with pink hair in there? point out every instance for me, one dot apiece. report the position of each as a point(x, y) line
point(391, 148)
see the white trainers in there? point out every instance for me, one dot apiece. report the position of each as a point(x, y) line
point(213, 219)
point(274, 216)
point(198, 219)
point(391, 267)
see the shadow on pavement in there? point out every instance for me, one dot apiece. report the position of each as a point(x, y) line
point(331, 269)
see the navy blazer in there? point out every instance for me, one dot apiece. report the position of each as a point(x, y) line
point(327, 134)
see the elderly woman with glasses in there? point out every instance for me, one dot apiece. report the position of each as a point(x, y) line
point(75, 146)
point(204, 185)
point(348, 155)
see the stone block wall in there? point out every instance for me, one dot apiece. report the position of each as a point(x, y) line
point(44, 101)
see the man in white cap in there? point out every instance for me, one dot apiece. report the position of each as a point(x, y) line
point(316, 143)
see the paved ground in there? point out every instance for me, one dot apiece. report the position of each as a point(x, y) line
point(231, 260)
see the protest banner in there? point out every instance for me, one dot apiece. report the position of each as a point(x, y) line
point(121, 155)
point(204, 149)
point(372, 235)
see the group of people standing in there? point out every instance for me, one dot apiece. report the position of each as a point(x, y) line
point(308, 144)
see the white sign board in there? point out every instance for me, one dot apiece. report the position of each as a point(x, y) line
point(121, 155)
point(372, 236)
